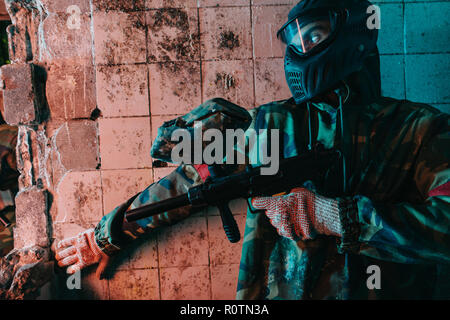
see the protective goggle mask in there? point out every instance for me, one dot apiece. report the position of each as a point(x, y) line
point(312, 31)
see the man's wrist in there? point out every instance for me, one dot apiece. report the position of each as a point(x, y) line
point(348, 213)
point(328, 219)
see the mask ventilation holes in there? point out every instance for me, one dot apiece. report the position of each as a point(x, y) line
point(295, 83)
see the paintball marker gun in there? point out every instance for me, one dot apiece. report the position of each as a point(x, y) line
point(219, 191)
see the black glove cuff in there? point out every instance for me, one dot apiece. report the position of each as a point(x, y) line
point(348, 213)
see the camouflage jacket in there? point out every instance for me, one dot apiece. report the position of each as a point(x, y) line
point(396, 214)
point(8, 184)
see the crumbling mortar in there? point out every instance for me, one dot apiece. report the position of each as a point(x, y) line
point(12, 6)
point(91, 6)
point(44, 155)
point(25, 157)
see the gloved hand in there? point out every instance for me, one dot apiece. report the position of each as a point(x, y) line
point(301, 214)
point(79, 252)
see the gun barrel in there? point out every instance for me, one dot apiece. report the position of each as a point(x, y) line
point(157, 208)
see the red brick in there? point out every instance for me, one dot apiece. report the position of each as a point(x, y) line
point(76, 143)
point(23, 37)
point(31, 218)
point(76, 42)
point(65, 5)
point(19, 44)
point(20, 98)
point(71, 89)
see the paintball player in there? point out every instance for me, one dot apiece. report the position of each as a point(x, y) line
point(386, 203)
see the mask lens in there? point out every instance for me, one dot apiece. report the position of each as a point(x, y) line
point(304, 34)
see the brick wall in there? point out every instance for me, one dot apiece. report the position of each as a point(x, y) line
point(116, 70)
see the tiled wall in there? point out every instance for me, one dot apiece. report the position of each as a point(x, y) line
point(414, 44)
point(153, 64)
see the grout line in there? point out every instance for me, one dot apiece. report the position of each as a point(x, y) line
point(205, 217)
point(253, 54)
point(200, 53)
point(91, 7)
point(151, 142)
point(404, 52)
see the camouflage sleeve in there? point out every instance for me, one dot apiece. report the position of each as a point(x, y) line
point(113, 231)
point(8, 185)
point(408, 232)
point(8, 165)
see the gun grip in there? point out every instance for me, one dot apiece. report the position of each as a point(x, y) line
point(229, 224)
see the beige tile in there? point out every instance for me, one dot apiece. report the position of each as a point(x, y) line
point(120, 185)
point(266, 23)
point(223, 3)
point(189, 283)
point(173, 35)
point(119, 37)
point(125, 143)
point(79, 198)
point(231, 80)
point(135, 285)
point(118, 5)
point(184, 244)
point(221, 250)
point(270, 81)
point(154, 4)
point(225, 33)
point(175, 87)
point(224, 280)
point(122, 91)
